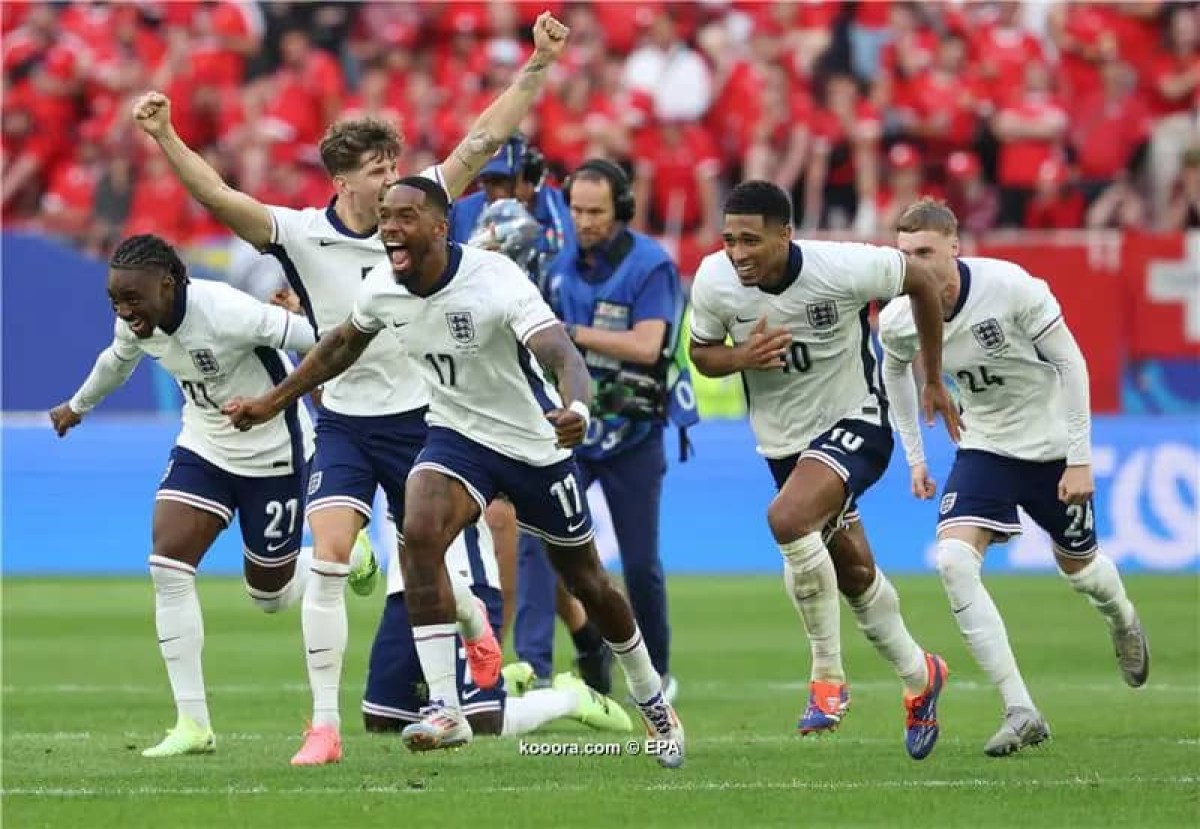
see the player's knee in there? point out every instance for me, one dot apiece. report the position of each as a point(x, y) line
point(788, 520)
point(854, 578)
point(586, 584)
point(425, 533)
point(957, 561)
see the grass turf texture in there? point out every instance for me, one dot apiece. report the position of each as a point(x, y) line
point(84, 691)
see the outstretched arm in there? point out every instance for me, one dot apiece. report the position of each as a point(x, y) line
point(240, 213)
point(113, 367)
point(555, 352)
point(496, 123)
point(336, 351)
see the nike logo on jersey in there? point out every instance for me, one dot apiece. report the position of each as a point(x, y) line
point(399, 324)
point(275, 548)
point(961, 609)
point(168, 639)
point(748, 319)
point(324, 243)
point(315, 651)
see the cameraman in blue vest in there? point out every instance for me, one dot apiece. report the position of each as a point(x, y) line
point(620, 297)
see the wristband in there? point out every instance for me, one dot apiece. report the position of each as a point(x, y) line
point(581, 409)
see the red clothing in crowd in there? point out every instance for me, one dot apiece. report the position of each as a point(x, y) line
point(673, 166)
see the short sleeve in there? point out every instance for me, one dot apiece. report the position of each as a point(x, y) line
point(875, 272)
point(656, 299)
point(706, 325)
point(434, 173)
point(367, 315)
point(1038, 312)
point(286, 225)
point(526, 312)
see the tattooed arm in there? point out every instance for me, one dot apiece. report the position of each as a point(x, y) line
point(557, 354)
point(336, 351)
point(496, 123)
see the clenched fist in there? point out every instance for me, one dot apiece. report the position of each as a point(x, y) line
point(549, 36)
point(152, 112)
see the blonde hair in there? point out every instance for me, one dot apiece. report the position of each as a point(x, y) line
point(928, 214)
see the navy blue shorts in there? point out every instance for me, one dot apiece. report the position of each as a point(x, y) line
point(857, 451)
point(985, 489)
point(395, 683)
point(549, 500)
point(270, 510)
point(356, 454)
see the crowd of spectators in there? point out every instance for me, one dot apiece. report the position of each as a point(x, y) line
point(1037, 115)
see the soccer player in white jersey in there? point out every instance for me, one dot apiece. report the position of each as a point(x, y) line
point(1023, 387)
point(217, 343)
point(395, 691)
point(797, 314)
point(484, 338)
point(373, 421)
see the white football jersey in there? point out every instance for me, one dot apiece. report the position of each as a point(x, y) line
point(830, 371)
point(468, 338)
point(226, 346)
point(1011, 399)
point(471, 557)
point(325, 262)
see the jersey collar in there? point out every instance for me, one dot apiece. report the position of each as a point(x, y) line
point(178, 309)
point(454, 259)
point(964, 287)
point(795, 263)
point(340, 226)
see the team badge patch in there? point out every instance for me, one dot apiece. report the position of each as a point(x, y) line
point(314, 483)
point(462, 327)
point(988, 334)
point(948, 502)
point(822, 315)
point(205, 362)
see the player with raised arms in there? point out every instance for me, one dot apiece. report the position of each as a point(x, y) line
point(1023, 387)
point(372, 423)
point(485, 339)
point(218, 343)
point(797, 314)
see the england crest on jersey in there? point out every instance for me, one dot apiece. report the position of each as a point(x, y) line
point(205, 362)
point(822, 315)
point(988, 334)
point(462, 327)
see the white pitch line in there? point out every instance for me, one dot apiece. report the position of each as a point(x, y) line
point(679, 786)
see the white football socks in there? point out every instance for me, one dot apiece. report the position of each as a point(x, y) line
point(979, 620)
point(1102, 585)
point(811, 584)
point(536, 708)
point(180, 634)
point(437, 647)
point(643, 681)
point(323, 621)
point(878, 614)
point(273, 601)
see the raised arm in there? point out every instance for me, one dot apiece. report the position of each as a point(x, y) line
point(556, 353)
point(242, 214)
point(496, 123)
point(336, 351)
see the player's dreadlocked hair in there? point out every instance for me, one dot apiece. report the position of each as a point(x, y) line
point(146, 253)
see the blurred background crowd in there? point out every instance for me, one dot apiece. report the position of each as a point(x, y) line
point(1036, 115)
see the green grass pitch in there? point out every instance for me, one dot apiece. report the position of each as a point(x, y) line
point(84, 691)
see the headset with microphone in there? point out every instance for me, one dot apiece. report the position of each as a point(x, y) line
point(624, 204)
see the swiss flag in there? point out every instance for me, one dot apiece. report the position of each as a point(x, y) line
point(1162, 273)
